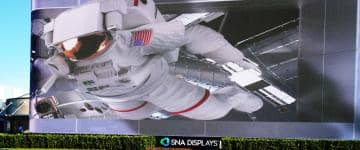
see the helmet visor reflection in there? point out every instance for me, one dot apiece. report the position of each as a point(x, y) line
point(86, 47)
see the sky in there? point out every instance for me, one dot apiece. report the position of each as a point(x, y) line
point(15, 44)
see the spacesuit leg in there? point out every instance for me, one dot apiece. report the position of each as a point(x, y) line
point(133, 110)
point(181, 98)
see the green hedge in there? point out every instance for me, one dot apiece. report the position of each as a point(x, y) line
point(75, 141)
point(288, 144)
point(146, 142)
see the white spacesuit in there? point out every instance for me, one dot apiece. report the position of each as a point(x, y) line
point(119, 52)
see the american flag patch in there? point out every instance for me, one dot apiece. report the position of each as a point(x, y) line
point(141, 38)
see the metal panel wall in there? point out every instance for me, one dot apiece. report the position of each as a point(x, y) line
point(327, 83)
point(327, 63)
point(356, 133)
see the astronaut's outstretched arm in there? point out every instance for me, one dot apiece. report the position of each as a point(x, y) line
point(211, 44)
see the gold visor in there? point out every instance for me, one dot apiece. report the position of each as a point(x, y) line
point(86, 47)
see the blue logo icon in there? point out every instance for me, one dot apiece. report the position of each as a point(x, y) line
point(165, 141)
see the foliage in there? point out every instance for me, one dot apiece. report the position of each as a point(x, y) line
point(82, 141)
point(288, 144)
point(76, 141)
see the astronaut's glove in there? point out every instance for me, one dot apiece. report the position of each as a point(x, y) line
point(239, 99)
point(246, 64)
point(228, 53)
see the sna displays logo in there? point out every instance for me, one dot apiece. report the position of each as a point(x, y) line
point(165, 141)
point(189, 142)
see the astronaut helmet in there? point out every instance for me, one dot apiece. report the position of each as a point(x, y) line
point(86, 31)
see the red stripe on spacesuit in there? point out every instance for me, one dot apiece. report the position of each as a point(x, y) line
point(149, 34)
point(142, 36)
point(138, 35)
point(202, 100)
point(136, 2)
point(132, 109)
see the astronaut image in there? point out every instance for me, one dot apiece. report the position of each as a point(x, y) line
point(110, 58)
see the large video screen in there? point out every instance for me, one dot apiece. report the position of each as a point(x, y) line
point(145, 67)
